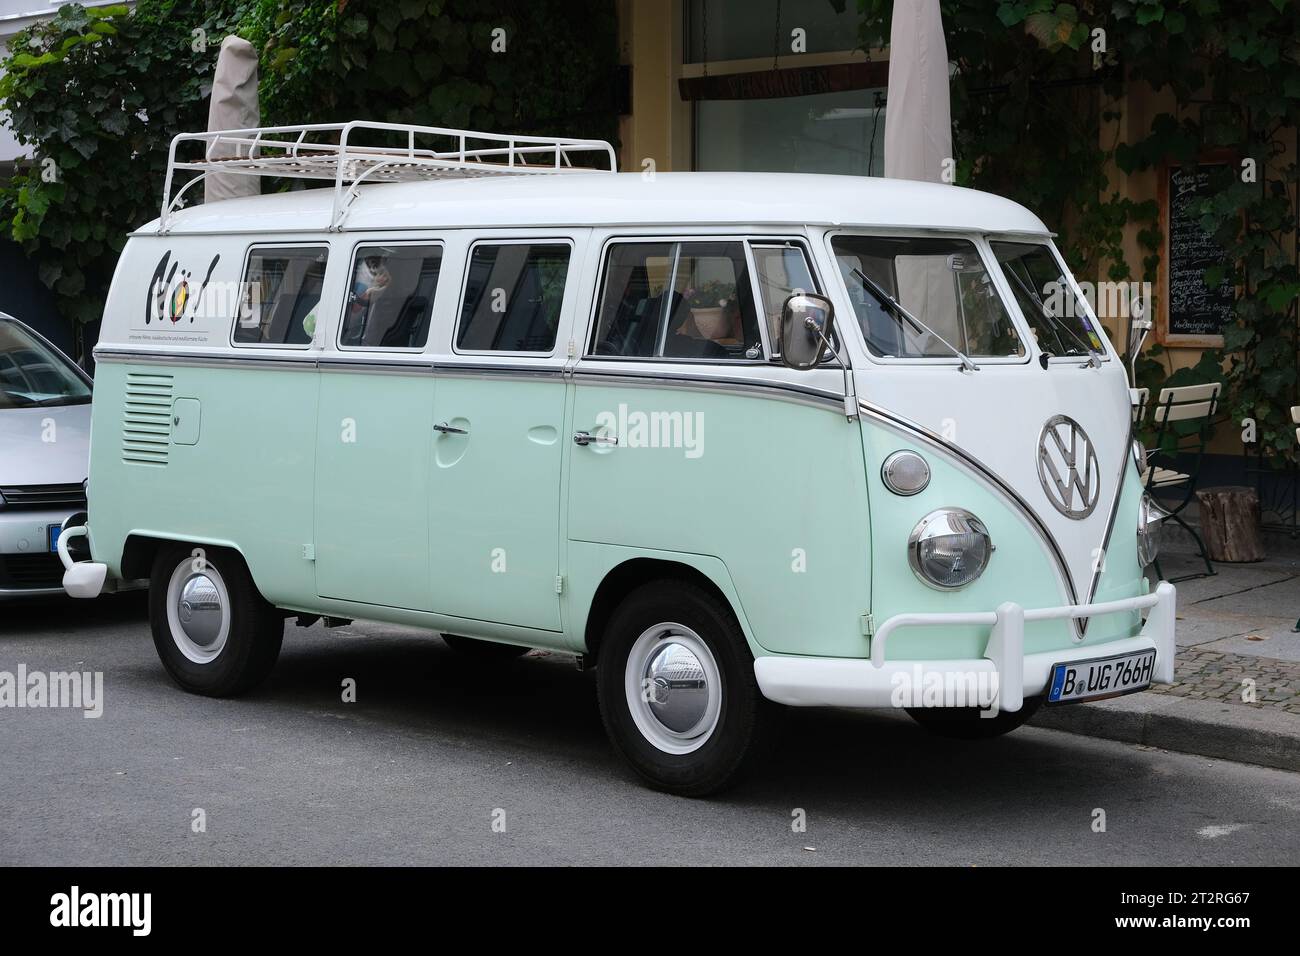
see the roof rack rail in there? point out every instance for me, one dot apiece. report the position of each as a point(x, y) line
point(327, 151)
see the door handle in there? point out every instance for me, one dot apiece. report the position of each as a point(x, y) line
point(587, 438)
point(449, 429)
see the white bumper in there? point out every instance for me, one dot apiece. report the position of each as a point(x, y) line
point(852, 682)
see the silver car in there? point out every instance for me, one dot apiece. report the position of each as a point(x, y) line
point(44, 457)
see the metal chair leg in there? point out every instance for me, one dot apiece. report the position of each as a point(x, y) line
point(1204, 554)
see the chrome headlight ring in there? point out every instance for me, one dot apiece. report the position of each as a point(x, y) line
point(1150, 515)
point(949, 549)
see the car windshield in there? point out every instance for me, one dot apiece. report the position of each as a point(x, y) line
point(33, 374)
point(925, 297)
point(1057, 317)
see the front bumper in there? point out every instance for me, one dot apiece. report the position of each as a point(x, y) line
point(852, 682)
point(27, 566)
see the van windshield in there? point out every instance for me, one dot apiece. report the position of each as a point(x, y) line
point(1057, 317)
point(33, 374)
point(949, 302)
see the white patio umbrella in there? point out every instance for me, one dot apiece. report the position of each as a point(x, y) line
point(918, 141)
point(918, 122)
point(233, 106)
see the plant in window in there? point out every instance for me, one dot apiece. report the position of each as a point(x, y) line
point(709, 295)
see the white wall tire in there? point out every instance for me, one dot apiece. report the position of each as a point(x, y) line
point(198, 611)
point(214, 632)
point(672, 688)
point(677, 691)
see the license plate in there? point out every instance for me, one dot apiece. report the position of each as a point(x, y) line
point(1102, 677)
point(54, 531)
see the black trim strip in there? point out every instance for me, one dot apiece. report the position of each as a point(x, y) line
point(801, 393)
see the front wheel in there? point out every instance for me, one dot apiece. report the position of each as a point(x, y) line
point(968, 723)
point(215, 633)
point(677, 690)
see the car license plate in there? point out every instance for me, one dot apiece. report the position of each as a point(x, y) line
point(1102, 677)
point(54, 531)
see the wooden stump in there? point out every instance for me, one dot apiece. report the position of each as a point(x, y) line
point(1230, 523)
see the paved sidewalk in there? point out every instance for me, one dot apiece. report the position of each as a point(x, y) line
point(1237, 689)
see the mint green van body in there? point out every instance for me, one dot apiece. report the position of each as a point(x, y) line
point(716, 532)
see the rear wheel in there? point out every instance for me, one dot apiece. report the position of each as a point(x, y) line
point(677, 690)
point(966, 723)
point(479, 650)
point(215, 633)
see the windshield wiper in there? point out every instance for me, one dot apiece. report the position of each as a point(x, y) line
point(1057, 325)
point(894, 306)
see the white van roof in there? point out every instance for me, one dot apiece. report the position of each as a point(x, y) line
point(604, 199)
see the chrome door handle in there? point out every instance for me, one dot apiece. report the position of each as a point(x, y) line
point(449, 429)
point(587, 438)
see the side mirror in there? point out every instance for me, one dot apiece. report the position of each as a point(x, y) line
point(805, 330)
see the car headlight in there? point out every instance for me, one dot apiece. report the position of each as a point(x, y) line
point(949, 548)
point(1148, 531)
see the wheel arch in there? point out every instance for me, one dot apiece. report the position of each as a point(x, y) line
point(628, 575)
point(141, 548)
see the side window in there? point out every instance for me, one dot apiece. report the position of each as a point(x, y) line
point(782, 271)
point(390, 297)
point(281, 296)
point(677, 300)
point(513, 295)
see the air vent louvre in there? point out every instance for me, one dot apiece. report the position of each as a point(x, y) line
point(147, 418)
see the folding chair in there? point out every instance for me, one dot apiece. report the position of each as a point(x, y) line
point(1176, 409)
point(1139, 397)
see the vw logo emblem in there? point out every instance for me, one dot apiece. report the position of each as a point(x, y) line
point(1067, 467)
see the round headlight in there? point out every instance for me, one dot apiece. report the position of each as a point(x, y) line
point(949, 548)
point(1148, 531)
point(905, 473)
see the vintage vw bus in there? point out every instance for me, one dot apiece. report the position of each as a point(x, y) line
point(736, 440)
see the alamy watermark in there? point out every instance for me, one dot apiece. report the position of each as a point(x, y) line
point(924, 687)
point(81, 690)
point(638, 429)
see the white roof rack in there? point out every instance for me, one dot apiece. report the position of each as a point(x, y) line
point(326, 151)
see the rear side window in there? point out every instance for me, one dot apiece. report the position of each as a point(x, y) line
point(677, 300)
point(513, 295)
point(281, 296)
point(390, 298)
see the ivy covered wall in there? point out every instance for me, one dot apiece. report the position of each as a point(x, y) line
point(1074, 109)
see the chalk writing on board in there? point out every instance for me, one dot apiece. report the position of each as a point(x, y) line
point(1193, 308)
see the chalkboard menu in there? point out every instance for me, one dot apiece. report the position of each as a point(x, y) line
point(1193, 309)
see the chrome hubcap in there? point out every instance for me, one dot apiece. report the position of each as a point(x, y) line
point(674, 691)
point(198, 609)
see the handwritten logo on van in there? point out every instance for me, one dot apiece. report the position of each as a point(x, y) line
point(1067, 467)
point(170, 297)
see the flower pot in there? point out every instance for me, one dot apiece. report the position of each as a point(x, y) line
point(708, 321)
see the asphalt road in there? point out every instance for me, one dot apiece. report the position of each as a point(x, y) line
point(416, 771)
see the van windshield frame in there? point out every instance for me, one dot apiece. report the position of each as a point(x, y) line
point(1009, 326)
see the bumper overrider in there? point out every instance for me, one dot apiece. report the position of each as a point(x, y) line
point(82, 579)
point(874, 682)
